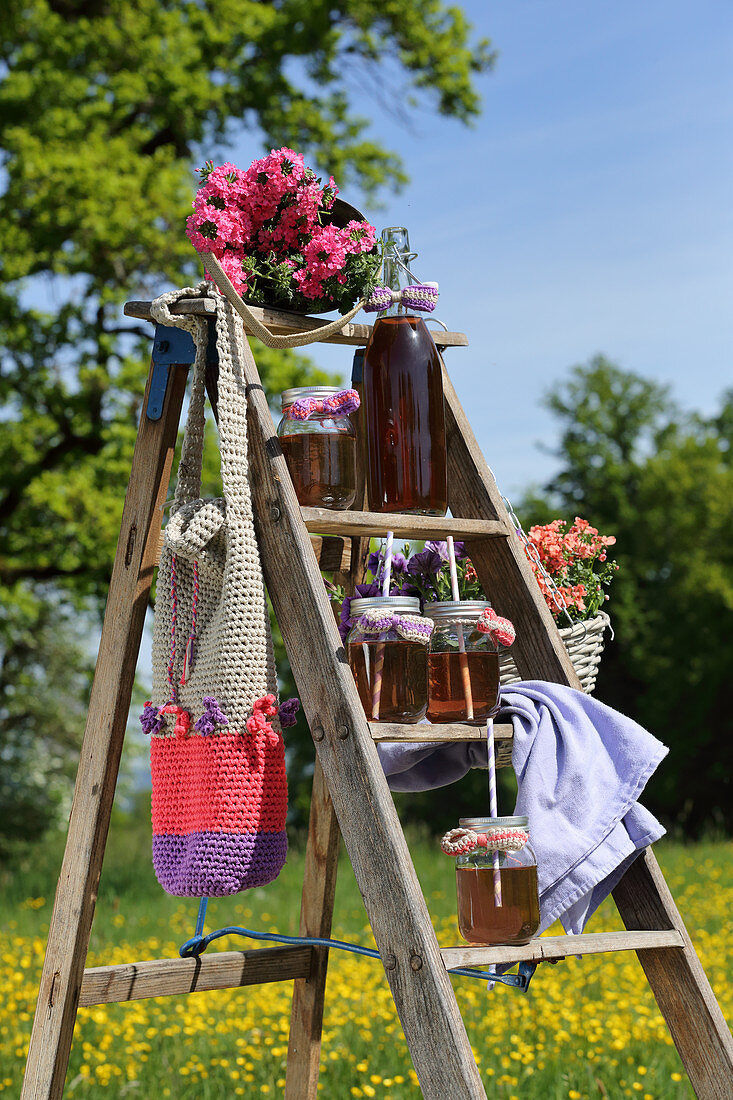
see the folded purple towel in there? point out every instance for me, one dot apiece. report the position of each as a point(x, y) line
point(580, 768)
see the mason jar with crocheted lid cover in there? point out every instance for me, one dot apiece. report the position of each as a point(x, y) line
point(496, 879)
point(463, 664)
point(318, 440)
point(387, 650)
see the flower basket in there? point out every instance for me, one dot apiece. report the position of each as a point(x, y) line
point(280, 238)
point(584, 649)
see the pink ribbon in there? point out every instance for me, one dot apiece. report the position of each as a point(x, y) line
point(500, 630)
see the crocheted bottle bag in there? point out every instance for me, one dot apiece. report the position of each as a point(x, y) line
point(219, 795)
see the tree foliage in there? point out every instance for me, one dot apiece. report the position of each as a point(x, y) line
point(661, 481)
point(105, 109)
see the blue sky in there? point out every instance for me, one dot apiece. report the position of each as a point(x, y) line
point(588, 210)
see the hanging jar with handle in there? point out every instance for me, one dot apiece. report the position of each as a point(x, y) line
point(404, 415)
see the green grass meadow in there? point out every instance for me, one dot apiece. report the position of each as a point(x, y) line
point(587, 1028)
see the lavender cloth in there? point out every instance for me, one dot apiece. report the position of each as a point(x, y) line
point(580, 768)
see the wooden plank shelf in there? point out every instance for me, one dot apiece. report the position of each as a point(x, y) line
point(558, 947)
point(219, 970)
point(281, 323)
point(427, 731)
point(456, 731)
point(325, 521)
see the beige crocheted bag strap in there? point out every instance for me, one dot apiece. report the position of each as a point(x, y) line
point(296, 339)
point(188, 484)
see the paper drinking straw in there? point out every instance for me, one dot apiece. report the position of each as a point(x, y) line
point(379, 658)
point(493, 806)
point(387, 564)
point(462, 655)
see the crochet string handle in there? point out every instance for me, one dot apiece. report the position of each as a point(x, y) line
point(295, 339)
point(188, 483)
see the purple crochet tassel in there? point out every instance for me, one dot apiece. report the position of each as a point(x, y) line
point(212, 717)
point(288, 711)
point(150, 720)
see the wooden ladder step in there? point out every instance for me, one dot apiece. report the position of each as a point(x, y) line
point(427, 731)
point(325, 521)
point(219, 970)
point(456, 731)
point(281, 322)
point(558, 947)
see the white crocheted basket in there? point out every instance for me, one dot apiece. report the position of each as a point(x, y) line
point(584, 649)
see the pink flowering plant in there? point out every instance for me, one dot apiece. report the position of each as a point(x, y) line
point(271, 229)
point(576, 559)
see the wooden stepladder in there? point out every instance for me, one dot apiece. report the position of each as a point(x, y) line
point(350, 794)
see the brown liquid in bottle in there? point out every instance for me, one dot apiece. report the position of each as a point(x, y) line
point(323, 468)
point(404, 419)
point(480, 920)
point(403, 693)
point(446, 698)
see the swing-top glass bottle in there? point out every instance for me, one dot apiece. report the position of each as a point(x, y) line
point(403, 402)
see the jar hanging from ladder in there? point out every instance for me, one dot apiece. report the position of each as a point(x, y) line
point(496, 879)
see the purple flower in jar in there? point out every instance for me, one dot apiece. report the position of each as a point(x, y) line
point(425, 564)
point(399, 563)
point(371, 589)
point(375, 563)
point(441, 548)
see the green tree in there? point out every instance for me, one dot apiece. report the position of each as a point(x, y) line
point(105, 109)
point(662, 481)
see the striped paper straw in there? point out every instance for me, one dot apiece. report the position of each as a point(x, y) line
point(462, 655)
point(493, 806)
point(387, 564)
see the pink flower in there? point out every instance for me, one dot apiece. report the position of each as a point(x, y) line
point(231, 261)
point(361, 236)
point(325, 253)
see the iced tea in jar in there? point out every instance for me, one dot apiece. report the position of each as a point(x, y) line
point(387, 651)
point(463, 664)
point(318, 440)
point(496, 880)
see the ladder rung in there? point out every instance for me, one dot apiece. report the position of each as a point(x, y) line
point(281, 322)
point(558, 947)
point(329, 522)
point(333, 553)
point(219, 970)
point(454, 731)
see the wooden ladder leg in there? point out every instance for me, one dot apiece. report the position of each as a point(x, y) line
point(109, 704)
point(316, 910)
point(678, 981)
point(383, 868)
point(501, 564)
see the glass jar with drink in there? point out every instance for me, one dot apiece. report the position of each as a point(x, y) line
point(387, 652)
point(319, 446)
point(463, 664)
point(496, 880)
